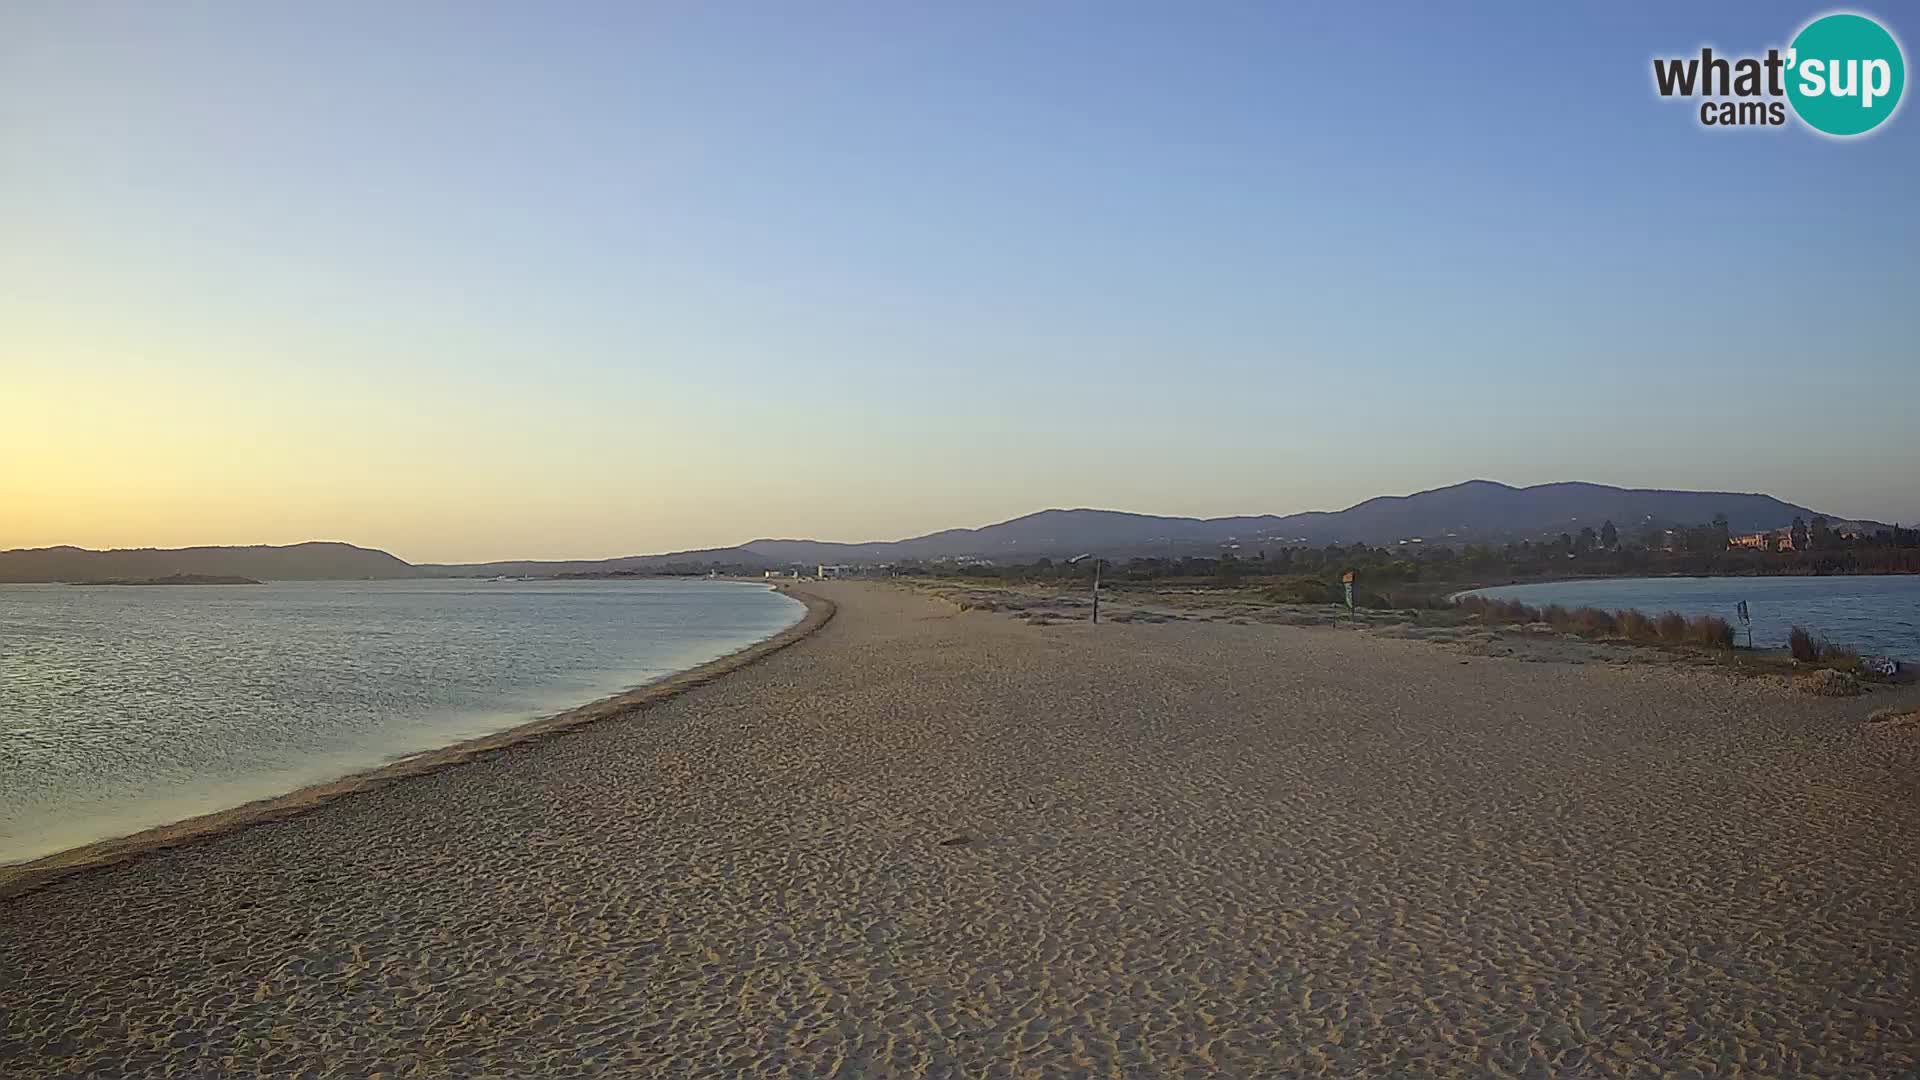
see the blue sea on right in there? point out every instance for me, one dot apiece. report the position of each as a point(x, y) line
point(1875, 616)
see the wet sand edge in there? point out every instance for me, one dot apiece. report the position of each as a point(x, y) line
point(26, 877)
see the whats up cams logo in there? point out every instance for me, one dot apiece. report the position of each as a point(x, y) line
point(1842, 76)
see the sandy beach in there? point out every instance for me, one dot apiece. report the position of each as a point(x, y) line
point(921, 842)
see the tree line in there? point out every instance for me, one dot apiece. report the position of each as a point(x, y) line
point(1697, 550)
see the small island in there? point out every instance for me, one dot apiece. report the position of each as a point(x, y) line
point(178, 579)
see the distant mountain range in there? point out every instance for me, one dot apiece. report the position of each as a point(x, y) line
point(1479, 510)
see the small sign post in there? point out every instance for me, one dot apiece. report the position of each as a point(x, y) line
point(1746, 621)
point(1096, 580)
point(1346, 579)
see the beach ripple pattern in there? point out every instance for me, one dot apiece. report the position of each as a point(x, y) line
point(928, 844)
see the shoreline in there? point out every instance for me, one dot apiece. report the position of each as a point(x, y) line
point(18, 879)
point(1452, 628)
point(1873, 647)
point(1509, 583)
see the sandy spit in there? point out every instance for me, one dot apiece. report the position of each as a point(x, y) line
point(925, 843)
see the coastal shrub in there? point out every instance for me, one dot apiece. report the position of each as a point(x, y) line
point(1634, 625)
point(1304, 590)
point(1811, 648)
point(1712, 631)
point(1512, 611)
point(1802, 645)
point(1592, 622)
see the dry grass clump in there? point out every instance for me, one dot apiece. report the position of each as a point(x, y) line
point(1802, 644)
point(1593, 622)
point(1830, 683)
point(1809, 648)
point(1894, 719)
point(1500, 611)
point(1634, 625)
point(1710, 630)
point(1589, 622)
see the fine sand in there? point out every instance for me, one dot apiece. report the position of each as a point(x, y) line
point(920, 842)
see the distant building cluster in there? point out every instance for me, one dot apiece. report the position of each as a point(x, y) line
point(821, 572)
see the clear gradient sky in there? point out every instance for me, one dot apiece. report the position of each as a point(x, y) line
point(470, 281)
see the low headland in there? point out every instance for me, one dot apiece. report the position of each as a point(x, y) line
point(178, 579)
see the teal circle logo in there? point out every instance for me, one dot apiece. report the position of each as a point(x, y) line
point(1845, 74)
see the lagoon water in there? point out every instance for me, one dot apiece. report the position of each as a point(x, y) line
point(125, 707)
point(1873, 615)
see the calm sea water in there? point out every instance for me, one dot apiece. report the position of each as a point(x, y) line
point(1874, 615)
point(127, 707)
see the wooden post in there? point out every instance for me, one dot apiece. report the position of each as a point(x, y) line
point(1096, 588)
